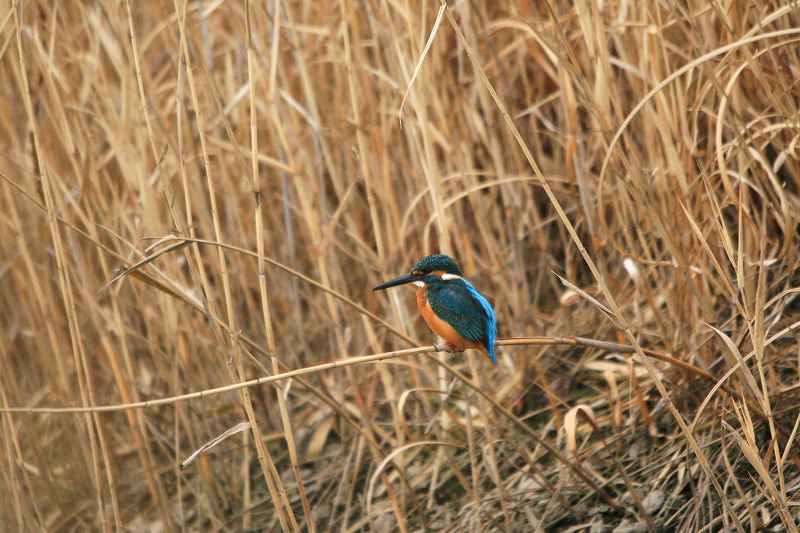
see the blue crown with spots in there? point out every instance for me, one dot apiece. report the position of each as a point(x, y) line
point(437, 262)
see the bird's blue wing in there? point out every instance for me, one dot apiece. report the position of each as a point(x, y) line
point(459, 304)
point(491, 320)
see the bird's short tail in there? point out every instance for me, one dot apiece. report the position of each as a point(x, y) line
point(490, 354)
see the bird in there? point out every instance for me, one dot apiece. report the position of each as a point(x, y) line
point(451, 306)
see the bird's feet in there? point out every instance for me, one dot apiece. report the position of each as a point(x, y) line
point(442, 346)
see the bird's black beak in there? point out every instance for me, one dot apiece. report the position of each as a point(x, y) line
point(402, 280)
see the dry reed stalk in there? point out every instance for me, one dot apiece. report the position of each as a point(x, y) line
point(271, 476)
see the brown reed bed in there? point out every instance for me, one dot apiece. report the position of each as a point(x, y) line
point(200, 195)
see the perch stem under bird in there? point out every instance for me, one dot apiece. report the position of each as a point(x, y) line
point(451, 306)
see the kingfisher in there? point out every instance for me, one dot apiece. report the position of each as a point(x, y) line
point(452, 307)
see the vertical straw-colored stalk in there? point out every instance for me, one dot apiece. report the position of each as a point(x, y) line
point(356, 99)
point(17, 465)
point(312, 218)
point(38, 292)
point(136, 421)
point(91, 422)
point(271, 476)
point(199, 264)
point(272, 347)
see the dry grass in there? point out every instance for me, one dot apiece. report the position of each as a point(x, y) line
point(197, 194)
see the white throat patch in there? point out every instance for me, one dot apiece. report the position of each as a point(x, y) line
point(419, 283)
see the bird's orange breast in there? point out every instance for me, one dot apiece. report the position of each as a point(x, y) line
point(439, 326)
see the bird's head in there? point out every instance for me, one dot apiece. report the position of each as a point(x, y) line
point(430, 269)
